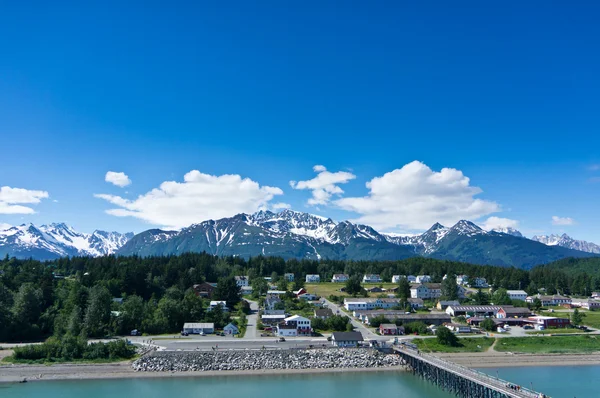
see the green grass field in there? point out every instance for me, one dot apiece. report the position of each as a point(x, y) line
point(468, 344)
point(550, 344)
point(326, 289)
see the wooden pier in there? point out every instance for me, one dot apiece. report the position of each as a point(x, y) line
point(460, 380)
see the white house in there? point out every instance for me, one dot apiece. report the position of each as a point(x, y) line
point(423, 279)
point(426, 291)
point(246, 290)
point(587, 304)
point(242, 281)
point(462, 279)
point(596, 295)
point(517, 294)
point(307, 296)
point(346, 339)
point(198, 328)
point(231, 329)
point(295, 325)
point(276, 293)
point(411, 278)
point(289, 276)
point(371, 278)
point(213, 304)
point(340, 278)
point(479, 283)
point(547, 301)
point(396, 278)
point(361, 304)
point(313, 278)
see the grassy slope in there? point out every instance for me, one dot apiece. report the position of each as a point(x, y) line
point(550, 345)
point(468, 344)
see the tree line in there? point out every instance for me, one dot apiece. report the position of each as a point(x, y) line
point(74, 296)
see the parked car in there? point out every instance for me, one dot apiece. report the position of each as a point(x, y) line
point(136, 332)
point(184, 333)
point(281, 339)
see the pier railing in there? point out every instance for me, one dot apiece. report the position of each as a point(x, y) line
point(493, 386)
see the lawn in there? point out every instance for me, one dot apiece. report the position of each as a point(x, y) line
point(326, 289)
point(555, 331)
point(468, 344)
point(550, 344)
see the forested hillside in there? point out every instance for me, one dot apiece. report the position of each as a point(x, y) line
point(74, 296)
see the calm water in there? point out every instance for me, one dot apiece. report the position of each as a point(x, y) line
point(582, 381)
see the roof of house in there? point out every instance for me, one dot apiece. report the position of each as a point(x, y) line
point(213, 303)
point(231, 326)
point(347, 336)
point(194, 325)
point(516, 292)
point(449, 302)
point(370, 300)
point(323, 312)
point(296, 318)
point(477, 308)
point(277, 316)
point(388, 326)
point(276, 292)
point(240, 278)
point(516, 310)
point(340, 275)
point(415, 300)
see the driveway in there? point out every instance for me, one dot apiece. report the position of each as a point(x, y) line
point(360, 327)
point(252, 320)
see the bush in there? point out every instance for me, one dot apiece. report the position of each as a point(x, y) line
point(378, 320)
point(415, 327)
point(488, 324)
point(70, 347)
point(446, 337)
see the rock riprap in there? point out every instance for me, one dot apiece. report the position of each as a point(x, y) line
point(195, 361)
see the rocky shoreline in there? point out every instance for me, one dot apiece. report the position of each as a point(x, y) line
point(191, 361)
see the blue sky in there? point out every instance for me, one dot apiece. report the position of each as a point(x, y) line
point(506, 96)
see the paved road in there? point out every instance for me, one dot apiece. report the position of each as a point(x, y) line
point(252, 321)
point(367, 334)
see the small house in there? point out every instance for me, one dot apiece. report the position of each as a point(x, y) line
point(323, 313)
point(289, 276)
point(517, 294)
point(214, 304)
point(198, 328)
point(423, 279)
point(372, 278)
point(230, 329)
point(204, 290)
point(396, 278)
point(313, 278)
point(388, 329)
point(443, 304)
point(242, 281)
point(340, 278)
point(346, 339)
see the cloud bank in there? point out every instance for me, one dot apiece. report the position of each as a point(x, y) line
point(562, 220)
point(13, 199)
point(324, 185)
point(415, 197)
point(198, 198)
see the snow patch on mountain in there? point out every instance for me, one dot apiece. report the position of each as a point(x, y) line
point(565, 240)
point(508, 231)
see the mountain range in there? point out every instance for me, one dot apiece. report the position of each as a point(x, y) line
point(49, 242)
point(291, 234)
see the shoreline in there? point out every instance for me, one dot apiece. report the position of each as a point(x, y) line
point(66, 372)
point(123, 370)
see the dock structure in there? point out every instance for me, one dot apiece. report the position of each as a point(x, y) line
point(462, 381)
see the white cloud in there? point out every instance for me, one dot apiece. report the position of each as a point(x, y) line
point(324, 185)
point(119, 179)
point(281, 206)
point(562, 220)
point(499, 222)
point(12, 200)
point(198, 198)
point(415, 197)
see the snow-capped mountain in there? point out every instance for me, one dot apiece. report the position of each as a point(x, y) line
point(57, 240)
point(508, 231)
point(565, 240)
point(292, 234)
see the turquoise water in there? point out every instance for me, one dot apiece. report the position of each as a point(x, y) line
point(558, 382)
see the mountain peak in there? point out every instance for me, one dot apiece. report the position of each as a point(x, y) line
point(508, 231)
point(467, 227)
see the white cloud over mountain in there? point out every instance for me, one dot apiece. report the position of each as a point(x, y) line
point(324, 185)
point(562, 220)
point(119, 179)
point(415, 197)
point(499, 222)
point(198, 198)
point(13, 199)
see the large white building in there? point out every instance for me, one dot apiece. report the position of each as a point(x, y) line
point(371, 278)
point(426, 291)
point(396, 278)
point(295, 325)
point(517, 294)
point(313, 278)
point(368, 303)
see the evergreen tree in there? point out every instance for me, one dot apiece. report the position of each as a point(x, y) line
point(577, 317)
point(481, 298)
point(97, 314)
point(449, 288)
point(403, 292)
point(501, 297)
point(446, 337)
point(227, 290)
point(353, 285)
